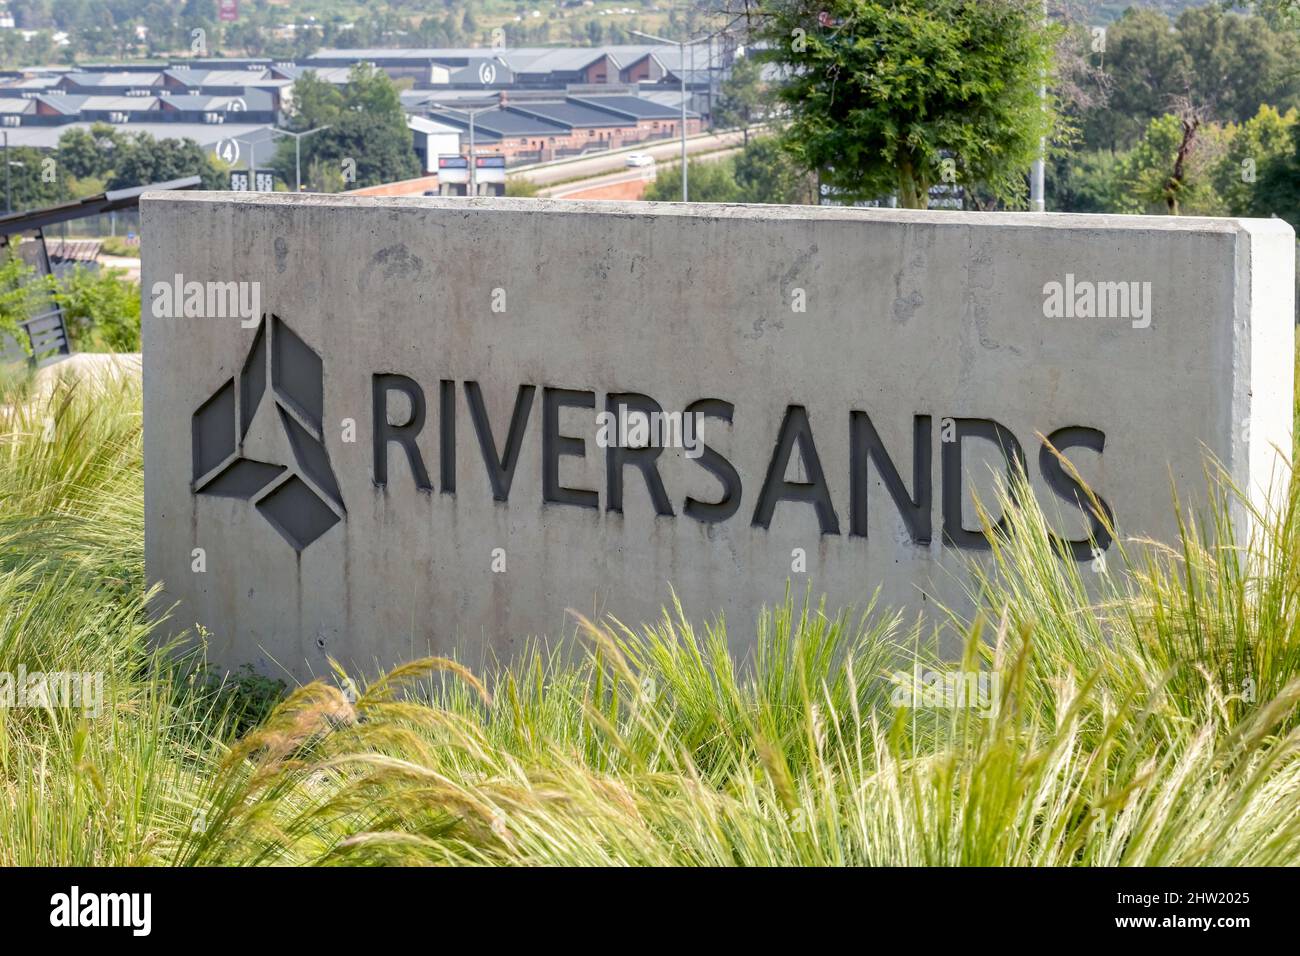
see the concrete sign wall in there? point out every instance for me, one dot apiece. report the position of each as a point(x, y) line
point(380, 428)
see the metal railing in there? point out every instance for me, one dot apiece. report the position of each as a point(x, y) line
point(47, 340)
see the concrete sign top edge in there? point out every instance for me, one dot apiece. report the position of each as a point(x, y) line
point(1177, 224)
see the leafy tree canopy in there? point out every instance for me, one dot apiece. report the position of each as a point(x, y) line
point(367, 141)
point(881, 93)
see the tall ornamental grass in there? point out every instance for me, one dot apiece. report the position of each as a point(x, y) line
point(1146, 712)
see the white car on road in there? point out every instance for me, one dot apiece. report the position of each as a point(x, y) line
point(640, 159)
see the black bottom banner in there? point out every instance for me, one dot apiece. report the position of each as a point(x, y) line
point(309, 905)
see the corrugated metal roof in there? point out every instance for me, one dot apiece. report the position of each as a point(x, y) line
point(470, 73)
point(73, 250)
point(34, 83)
point(337, 75)
point(125, 104)
point(669, 98)
point(372, 53)
point(205, 134)
point(553, 61)
point(499, 122)
point(257, 100)
point(637, 106)
point(218, 77)
point(574, 114)
point(221, 62)
point(66, 103)
point(115, 79)
point(423, 124)
point(529, 59)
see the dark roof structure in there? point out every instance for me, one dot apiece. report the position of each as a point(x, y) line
point(110, 201)
point(500, 123)
point(574, 114)
point(634, 106)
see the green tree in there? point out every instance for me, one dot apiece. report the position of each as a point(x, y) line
point(102, 309)
point(20, 290)
point(323, 176)
point(367, 135)
point(90, 152)
point(1171, 168)
point(90, 160)
point(741, 97)
point(1236, 63)
point(765, 173)
point(710, 181)
point(520, 187)
point(315, 102)
point(141, 160)
point(33, 178)
point(1224, 63)
point(363, 146)
point(1253, 149)
point(1085, 181)
point(370, 90)
point(882, 92)
point(1278, 13)
point(1278, 188)
point(1146, 66)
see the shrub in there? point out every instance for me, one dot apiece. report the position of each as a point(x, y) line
point(521, 187)
point(102, 310)
point(708, 180)
point(118, 246)
point(21, 294)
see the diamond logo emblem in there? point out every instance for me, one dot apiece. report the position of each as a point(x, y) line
point(300, 499)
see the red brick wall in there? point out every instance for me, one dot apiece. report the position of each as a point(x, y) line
point(579, 138)
point(598, 72)
point(601, 137)
point(667, 128)
point(639, 71)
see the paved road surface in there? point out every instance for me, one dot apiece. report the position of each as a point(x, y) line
point(663, 151)
point(130, 264)
point(625, 175)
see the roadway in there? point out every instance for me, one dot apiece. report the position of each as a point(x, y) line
point(627, 174)
point(587, 167)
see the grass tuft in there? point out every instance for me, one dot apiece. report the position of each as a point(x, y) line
point(1144, 715)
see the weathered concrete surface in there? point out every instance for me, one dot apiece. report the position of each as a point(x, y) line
point(907, 314)
point(98, 367)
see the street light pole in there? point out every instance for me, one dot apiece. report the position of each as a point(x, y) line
point(9, 197)
point(297, 151)
point(473, 162)
point(471, 113)
point(252, 149)
point(1038, 173)
point(685, 165)
point(681, 72)
point(712, 125)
